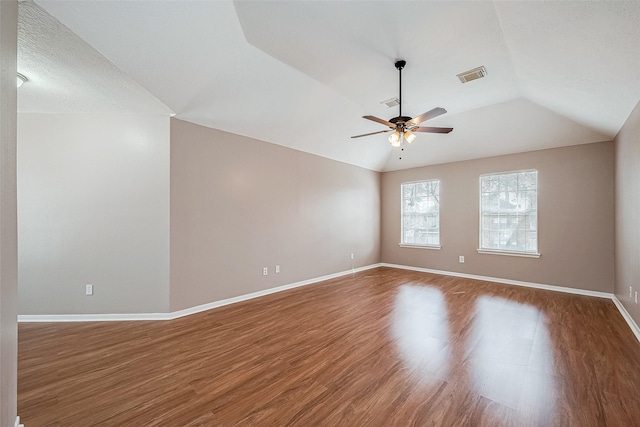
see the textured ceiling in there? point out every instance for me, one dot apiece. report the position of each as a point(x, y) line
point(301, 74)
point(67, 75)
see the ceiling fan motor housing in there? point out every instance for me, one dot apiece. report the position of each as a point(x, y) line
point(400, 120)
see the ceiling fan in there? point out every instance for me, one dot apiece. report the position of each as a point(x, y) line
point(403, 127)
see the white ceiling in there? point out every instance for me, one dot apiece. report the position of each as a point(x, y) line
point(69, 76)
point(301, 74)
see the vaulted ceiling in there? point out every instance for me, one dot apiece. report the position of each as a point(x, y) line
point(301, 74)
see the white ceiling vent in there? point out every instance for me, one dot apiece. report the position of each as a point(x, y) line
point(393, 102)
point(476, 73)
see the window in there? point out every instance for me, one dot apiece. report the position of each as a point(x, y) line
point(509, 212)
point(421, 213)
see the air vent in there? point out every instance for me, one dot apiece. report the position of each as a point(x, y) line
point(476, 73)
point(393, 102)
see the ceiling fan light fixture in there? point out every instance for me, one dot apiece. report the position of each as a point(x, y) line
point(395, 139)
point(409, 137)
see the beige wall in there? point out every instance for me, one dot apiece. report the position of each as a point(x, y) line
point(627, 145)
point(239, 204)
point(8, 240)
point(575, 218)
point(93, 207)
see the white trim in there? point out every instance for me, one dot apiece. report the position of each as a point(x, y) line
point(409, 245)
point(215, 304)
point(420, 181)
point(497, 252)
point(506, 281)
point(625, 314)
point(405, 245)
point(480, 228)
point(92, 317)
point(181, 313)
point(509, 172)
point(632, 324)
point(186, 311)
point(17, 424)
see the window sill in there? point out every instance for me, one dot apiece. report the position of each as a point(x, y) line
point(403, 245)
point(520, 254)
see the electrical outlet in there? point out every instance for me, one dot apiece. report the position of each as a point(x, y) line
point(88, 289)
point(351, 255)
point(461, 259)
point(265, 271)
point(277, 268)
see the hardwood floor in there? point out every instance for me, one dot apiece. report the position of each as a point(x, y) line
point(384, 347)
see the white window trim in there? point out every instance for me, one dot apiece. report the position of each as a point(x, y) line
point(502, 252)
point(509, 253)
point(413, 245)
point(405, 245)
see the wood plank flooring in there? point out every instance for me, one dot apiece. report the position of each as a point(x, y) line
point(384, 347)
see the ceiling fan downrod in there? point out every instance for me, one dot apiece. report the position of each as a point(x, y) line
point(399, 66)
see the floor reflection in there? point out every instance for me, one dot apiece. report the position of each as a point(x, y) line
point(500, 350)
point(420, 329)
point(511, 357)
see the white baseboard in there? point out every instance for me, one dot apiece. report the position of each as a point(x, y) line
point(627, 317)
point(17, 424)
point(632, 324)
point(505, 281)
point(46, 318)
point(215, 304)
point(180, 313)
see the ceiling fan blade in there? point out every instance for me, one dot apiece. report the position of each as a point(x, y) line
point(384, 122)
point(426, 116)
point(372, 133)
point(431, 129)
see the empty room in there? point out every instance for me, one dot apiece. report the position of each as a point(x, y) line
point(305, 213)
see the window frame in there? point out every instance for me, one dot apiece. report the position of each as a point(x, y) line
point(402, 216)
point(507, 252)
